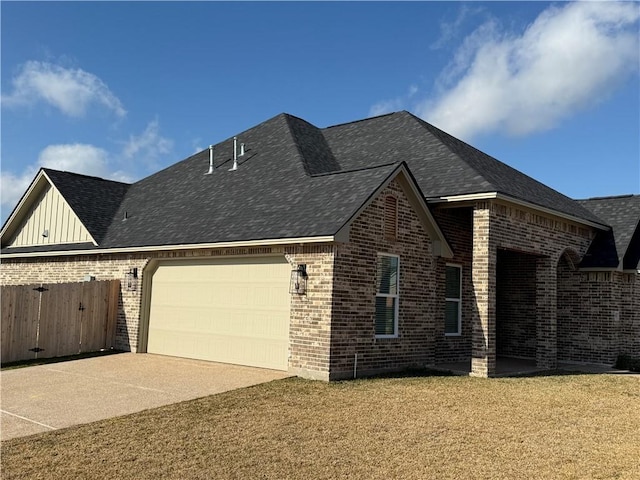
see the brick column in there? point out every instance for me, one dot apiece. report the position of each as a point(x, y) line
point(483, 348)
point(546, 313)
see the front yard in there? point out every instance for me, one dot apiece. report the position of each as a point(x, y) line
point(560, 427)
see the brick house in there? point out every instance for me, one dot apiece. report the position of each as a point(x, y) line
point(331, 252)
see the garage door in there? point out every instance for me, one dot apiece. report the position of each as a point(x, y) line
point(227, 310)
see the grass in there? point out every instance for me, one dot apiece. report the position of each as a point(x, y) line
point(560, 427)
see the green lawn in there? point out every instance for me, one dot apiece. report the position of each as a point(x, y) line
point(557, 427)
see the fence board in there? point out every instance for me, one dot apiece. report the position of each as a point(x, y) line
point(52, 321)
point(19, 322)
point(59, 332)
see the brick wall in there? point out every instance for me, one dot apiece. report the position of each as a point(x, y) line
point(421, 294)
point(598, 316)
point(499, 225)
point(457, 226)
point(629, 284)
point(515, 304)
point(310, 314)
point(310, 328)
point(74, 269)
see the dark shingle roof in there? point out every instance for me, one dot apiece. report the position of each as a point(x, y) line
point(94, 200)
point(295, 180)
point(621, 246)
point(269, 196)
point(442, 164)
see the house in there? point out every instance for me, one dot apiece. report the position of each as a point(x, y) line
point(370, 246)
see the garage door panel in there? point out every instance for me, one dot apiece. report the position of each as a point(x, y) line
point(228, 311)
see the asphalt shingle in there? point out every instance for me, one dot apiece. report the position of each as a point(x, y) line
point(621, 246)
point(441, 164)
point(295, 180)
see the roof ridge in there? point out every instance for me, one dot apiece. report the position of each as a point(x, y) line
point(287, 120)
point(338, 172)
point(424, 124)
point(360, 121)
point(609, 197)
point(446, 138)
point(46, 169)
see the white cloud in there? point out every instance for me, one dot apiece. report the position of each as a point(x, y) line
point(449, 31)
point(90, 160)
point(12, 187)
point(393, 105)
point(77, 158)
point(568, 59)
point(72, 91)
point(148, 145)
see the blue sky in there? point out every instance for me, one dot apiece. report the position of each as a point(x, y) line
point(123, 89)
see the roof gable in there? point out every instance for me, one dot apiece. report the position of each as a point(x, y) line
point(44, 218)
point(619, 247)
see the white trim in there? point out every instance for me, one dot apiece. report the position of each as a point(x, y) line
point(462, 198)
point(396, 312)
point(194, 246)
point(524, 203)
point(457, 300)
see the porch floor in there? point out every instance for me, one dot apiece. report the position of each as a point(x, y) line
point(508, 367)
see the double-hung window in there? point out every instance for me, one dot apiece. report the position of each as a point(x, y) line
point(387, 286)
point(453, 294)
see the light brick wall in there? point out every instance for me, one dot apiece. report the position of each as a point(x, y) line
point(516, 305)
point(310, 327)
point(630, 314)
point(74, 269)
point(598, 316)
point(457, 226)
point(310, 314)
point(498, 225)
point(420, 294)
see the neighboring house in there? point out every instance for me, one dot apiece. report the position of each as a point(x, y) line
point(371, 246)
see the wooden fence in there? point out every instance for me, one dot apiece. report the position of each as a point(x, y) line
point(58, 319)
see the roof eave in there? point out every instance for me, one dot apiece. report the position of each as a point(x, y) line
point(193, 246)
point(517, 201)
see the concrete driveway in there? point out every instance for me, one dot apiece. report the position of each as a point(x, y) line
point(47, 397)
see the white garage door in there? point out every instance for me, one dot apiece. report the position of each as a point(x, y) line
point(228, 310)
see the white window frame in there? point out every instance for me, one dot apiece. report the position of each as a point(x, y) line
point(396, 312)
point(457, 300)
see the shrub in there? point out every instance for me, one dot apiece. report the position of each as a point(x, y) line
point(626, 362)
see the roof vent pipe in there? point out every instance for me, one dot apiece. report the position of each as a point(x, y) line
point(235, 154)
point(210, 160)
point(242, 149)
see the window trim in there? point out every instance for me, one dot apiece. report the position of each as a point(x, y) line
point(396, 312)
point(457, 300)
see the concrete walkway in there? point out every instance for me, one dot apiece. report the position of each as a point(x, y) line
point(47, 397)
point(513, 367)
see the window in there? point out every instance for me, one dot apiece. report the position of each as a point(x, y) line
point(453, 294)
point(390, 217)
point(387, 281)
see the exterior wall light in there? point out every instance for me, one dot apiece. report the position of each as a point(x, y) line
point(298, 283)
point(131, 279)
